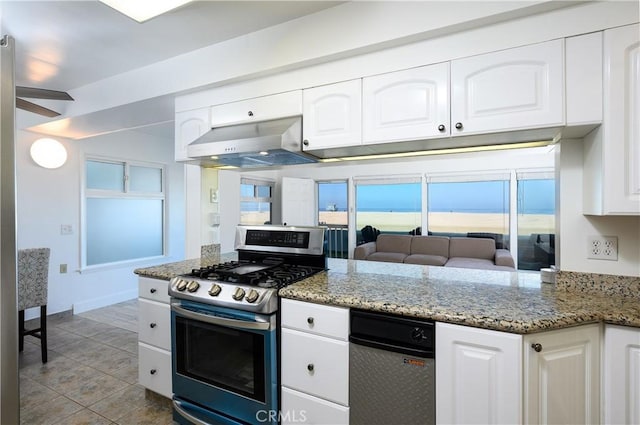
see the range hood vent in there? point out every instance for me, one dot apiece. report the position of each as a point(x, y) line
point(252, 145)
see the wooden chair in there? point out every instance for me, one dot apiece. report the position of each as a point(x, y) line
point(33, 277)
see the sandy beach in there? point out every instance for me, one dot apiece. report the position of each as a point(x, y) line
point(438, 222)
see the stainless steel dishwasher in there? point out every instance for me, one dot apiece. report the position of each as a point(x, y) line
point(391, 370)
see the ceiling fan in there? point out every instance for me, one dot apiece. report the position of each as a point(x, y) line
point(35, 93)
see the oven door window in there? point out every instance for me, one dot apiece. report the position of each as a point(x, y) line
point(224, 357)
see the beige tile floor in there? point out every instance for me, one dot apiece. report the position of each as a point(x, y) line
point(92, 373)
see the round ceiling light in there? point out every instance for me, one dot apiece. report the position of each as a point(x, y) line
point(48, 153)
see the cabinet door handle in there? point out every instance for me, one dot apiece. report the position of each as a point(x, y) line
point(536, 347)
point(152, 325)
point(459, 125)
point(310, 320)
point(153, 371)
point(305, 142)
point(310, 367)
point(441, 128)
point(152, 290)
point(250, 113)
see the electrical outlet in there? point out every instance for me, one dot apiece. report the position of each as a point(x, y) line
point(602, 247)
point(66, 229)
point(63, 268)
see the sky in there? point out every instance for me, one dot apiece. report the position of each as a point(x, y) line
point(535, 197)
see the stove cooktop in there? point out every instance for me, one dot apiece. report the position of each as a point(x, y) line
point(244, 285)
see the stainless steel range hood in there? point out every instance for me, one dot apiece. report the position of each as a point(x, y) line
point(251, 145)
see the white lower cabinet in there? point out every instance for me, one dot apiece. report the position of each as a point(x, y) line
point(562, 376)
point(621, 375)
point(478, 376)
point(154, 336)
point(315, 363)
point(482, 376)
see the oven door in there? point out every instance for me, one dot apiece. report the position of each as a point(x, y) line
point(224, 361)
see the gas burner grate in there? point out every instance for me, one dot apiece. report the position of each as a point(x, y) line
point(256, 274)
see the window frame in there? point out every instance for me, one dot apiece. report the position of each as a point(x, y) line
point(255, 198)
point(124, 194)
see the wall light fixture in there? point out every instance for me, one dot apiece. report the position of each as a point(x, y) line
point(48, 153)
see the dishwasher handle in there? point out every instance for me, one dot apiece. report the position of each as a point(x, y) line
point(391, 347)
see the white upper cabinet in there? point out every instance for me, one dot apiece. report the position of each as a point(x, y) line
point(405, 105)
point(513, 89)
point(612, 153)
point(263, 108)
point(332, 115)
point(189, 126)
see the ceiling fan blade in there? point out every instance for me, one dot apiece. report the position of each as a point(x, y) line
point(32, 107)
point(35, 93)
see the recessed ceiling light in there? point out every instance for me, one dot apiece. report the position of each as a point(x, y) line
point(143, 10)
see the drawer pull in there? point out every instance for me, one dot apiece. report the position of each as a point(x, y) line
point(152, 325)
point(250, 113)
point(310, 367)
point(152, 290)
point(310, 320)
point(153, 371)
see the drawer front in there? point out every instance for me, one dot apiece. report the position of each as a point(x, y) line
point(154, 369)
point(153, 289)
point(299, 407)
point(316, 318)
point(258, 109)
point(316, 365)
point(154, 323)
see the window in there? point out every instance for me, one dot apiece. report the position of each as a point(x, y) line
point(332, 213)
point(255, 201)
point(536, 220)
point(460, 207)
point(388, 206)
point(124, 210)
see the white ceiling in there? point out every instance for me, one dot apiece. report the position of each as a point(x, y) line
point(64, 45)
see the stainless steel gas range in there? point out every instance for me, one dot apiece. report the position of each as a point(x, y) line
point(224, 321)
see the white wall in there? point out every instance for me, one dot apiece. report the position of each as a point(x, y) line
point(50, 198)
point(576, 227)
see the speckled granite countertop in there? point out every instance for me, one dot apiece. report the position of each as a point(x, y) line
point(504, 301)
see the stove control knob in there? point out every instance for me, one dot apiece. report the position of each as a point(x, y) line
point(193, 286)
point(181, 285)
point(215, 290)
point(252, 296)
point(238, 294)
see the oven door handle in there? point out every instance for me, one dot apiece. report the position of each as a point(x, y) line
point(222, 321)
point(178, 408)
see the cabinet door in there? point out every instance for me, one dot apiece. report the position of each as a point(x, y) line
point(478, 376)
point(299, 407)
point(332, 115)
point(621, 145)
point(189, 126)
point(621, 375)
point(562, 376)
point(316, 365)
point(154, 369)
point(263, 108)
point(512, 89)
point(154, 323)
point(406, 105)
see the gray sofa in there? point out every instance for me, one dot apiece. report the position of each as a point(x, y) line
point(472, 253)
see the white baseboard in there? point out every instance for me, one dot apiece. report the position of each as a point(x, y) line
point(94, 303)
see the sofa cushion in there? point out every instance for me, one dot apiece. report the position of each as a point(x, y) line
point(430, 245)
point(426, 259)
point(389, 257)
point(475, 263)
point(472, 248)
point(394, 243)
